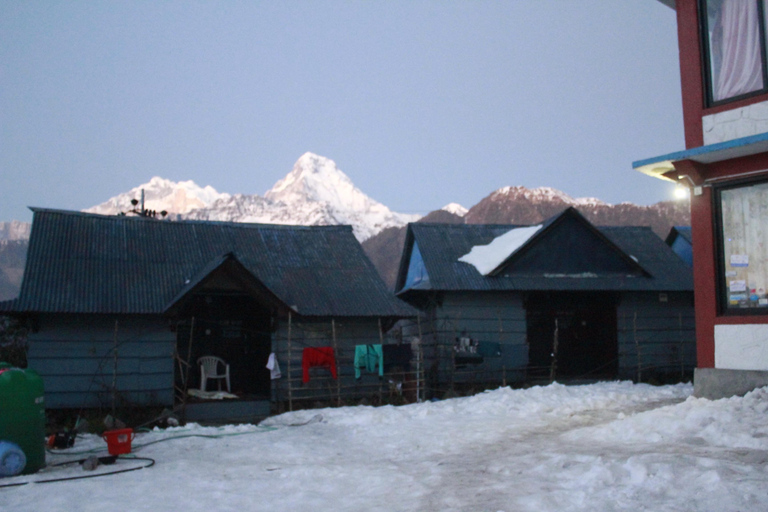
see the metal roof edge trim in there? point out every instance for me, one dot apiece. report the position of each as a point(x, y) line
point(710, 153)
point(550, 224)
point(132, 218)
point(210, 268)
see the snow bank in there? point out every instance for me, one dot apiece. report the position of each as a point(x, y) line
point(608, 447)
point(730, 423)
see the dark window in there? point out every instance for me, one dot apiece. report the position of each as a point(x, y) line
point(742, 212)
point(734, 48)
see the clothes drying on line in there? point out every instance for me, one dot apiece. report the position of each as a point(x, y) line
point(367, 357)
point(312, 357)
point(274, 367)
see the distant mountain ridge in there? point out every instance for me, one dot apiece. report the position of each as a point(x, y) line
point(519, 205)
point(314, 192)
point(13, 256)
point(14, 240)
point(15, 230)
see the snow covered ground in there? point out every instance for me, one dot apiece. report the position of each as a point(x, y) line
point(602, 447)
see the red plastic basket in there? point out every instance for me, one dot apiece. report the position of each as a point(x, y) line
point(118, 441)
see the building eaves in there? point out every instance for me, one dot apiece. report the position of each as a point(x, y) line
point(659, 166)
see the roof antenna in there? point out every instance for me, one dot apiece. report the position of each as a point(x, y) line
point(143, 212)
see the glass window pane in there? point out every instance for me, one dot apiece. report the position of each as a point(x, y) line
point(745, 246)
point(735, 59)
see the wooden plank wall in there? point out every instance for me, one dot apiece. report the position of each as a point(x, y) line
point(657, 340)
point(322, 388)
point(75, 356)
point(488, 317)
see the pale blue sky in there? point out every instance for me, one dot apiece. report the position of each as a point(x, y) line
point(421, 103)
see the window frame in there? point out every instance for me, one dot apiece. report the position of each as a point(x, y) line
point(706, 64)
point(721, 281)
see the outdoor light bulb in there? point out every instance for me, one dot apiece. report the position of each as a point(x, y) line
point(681, 192)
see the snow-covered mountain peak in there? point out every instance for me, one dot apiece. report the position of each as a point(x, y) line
point(315, 192)
point(318, 192)
point(316, 178)
point(311, 166)
point(544, 194)
point(455, 208)
point(162, 194)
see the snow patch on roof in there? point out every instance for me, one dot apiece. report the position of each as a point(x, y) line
point(485, 258)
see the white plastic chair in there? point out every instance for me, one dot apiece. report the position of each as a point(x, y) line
point(209, 369)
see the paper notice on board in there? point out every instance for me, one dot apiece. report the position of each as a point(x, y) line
point(738, 286)
point(739, 260)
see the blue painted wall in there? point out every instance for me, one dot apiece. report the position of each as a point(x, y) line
point(75, 356)
point(656, 335)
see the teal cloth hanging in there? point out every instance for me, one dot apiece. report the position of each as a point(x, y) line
point(367, 357)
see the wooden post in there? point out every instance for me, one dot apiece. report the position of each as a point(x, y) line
point(434, 377)
point(189, 356)
point(381, 341)
point(290, 385)
point(419, 354)
point(336, 354)
point(681, 350)
point(637, 348)
point(501, 327)
point(453, 351)
point(553, 367)
point(501, 339)
point(184, 367)
point(114, 373)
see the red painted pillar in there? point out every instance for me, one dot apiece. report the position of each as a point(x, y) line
point(704, 276)
point(691, 74)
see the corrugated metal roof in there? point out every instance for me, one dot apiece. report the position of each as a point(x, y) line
point(8, 305)
point(683, 232)
point(87, 263)
point(441, 246)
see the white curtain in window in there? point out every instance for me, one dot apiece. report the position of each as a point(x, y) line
point(735, 45)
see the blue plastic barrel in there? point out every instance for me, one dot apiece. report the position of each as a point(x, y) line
point(12, 459)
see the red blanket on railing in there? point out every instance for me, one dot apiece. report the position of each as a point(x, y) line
point(318, 356)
